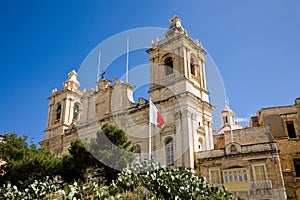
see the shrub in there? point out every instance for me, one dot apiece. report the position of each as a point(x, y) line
point(166, 183)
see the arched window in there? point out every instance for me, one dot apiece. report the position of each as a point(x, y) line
point(169, 152)
point(192, 67)
point(138, 153)
point(225, 120)
point(169, 65)
point(58, 112)
point(75, 111)
point(200, 144)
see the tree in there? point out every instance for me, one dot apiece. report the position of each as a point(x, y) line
point(13, 146)
point(75, 165)
point(112, 149)
point(24, 163)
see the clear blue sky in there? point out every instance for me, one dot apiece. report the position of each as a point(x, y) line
point(255, 45)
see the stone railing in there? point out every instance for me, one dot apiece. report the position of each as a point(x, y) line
point(261, 185)
point(254, 185)
point(168, 77)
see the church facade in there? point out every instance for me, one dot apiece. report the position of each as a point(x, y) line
point(177, 88)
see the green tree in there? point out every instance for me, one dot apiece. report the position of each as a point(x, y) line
point(113, 150)
point(24, 163)
point(75, 165)
point(13, 146)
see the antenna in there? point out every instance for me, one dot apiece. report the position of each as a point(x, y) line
point(127, 58)
point(98, 72)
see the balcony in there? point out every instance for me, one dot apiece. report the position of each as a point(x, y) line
point(261, 185)
point(247, 186)
point(168, 77)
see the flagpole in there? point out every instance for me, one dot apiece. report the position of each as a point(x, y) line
point(98, 72)
point(127, 58)
point(149, 129)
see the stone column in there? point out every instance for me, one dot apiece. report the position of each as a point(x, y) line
point(178, 150)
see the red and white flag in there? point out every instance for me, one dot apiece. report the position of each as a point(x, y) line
point(155, 116)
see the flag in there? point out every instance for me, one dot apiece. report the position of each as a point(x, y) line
point(155, 117)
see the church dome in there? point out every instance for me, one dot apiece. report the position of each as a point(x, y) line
point(228, 120)
point(227, 110)
point(227, 128)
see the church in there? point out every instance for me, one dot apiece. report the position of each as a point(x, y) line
point(257, 162)
point(177, 88)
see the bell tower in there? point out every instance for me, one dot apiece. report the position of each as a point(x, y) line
point(63, 112)
point(177, 60)
point(178, 88)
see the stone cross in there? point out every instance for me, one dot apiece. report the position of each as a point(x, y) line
point(102, 75)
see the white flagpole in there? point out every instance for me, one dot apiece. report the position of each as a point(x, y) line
point(127, 58)
point(98, 72)
point(149, 129)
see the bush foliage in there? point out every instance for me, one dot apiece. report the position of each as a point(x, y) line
point(144, 180)
point(163, 182)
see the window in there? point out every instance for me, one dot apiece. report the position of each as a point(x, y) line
point(58, 112)
point(261, 181)
point(169, 152)
point(259, 172)
point(245, 176)
point(291, 129)
point(225, 120)
point(214, 175)
point(169, 66)
point(236, 179)
point(200, 144)
point(226, 179)
point(138, 153)
point(235, 175)
point(192, 67)
point(75, 111)
point(297, 166)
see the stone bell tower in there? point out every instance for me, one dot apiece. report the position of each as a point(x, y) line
point(178, 87)
point(177, 60)
point(63, 112)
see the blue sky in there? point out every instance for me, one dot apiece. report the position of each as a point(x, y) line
point(255, 45)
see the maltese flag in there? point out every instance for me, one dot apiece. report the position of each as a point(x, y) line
point(155, 116)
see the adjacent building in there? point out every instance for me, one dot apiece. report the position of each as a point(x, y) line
point(283, 122)
point(244, 160)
